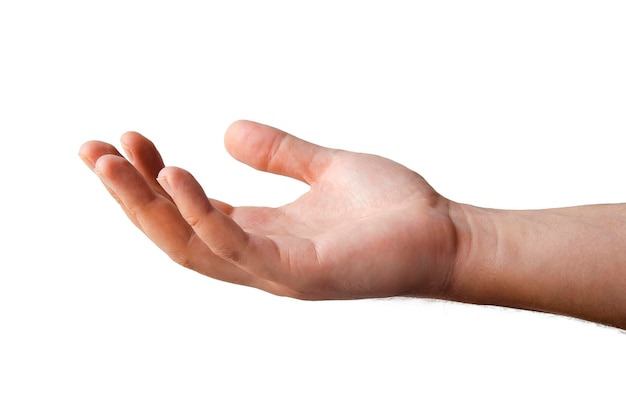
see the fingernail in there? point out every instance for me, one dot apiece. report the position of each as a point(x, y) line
point(165, 184)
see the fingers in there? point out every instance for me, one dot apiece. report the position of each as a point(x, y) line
point(143, 200)
point(139, 150)
point(272, 150)
point(154, 214)
point(171, 208)
point(142, 153)
point(158, 217)
point(92, 150)
point(224, 237)
point(152, 210)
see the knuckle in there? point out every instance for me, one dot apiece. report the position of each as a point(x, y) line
point(193, 220)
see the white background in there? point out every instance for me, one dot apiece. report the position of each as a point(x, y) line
point(498, 104)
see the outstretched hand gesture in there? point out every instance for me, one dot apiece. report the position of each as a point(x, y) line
point(367, 227)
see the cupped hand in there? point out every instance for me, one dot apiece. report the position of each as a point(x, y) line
point(367, 227)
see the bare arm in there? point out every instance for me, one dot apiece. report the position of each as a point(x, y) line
point(569, 261)
point(369, 227)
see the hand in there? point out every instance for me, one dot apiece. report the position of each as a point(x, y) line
point(367, 227)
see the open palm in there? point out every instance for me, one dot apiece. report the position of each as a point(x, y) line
point(368, 227)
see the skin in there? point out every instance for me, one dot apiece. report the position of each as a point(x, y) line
point(369, 227)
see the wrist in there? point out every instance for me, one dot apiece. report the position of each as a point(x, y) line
point(476, 234)
point(501, 257)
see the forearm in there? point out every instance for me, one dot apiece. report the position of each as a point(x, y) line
point(569, 261)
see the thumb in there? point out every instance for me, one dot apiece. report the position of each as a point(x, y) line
point(269, 149)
